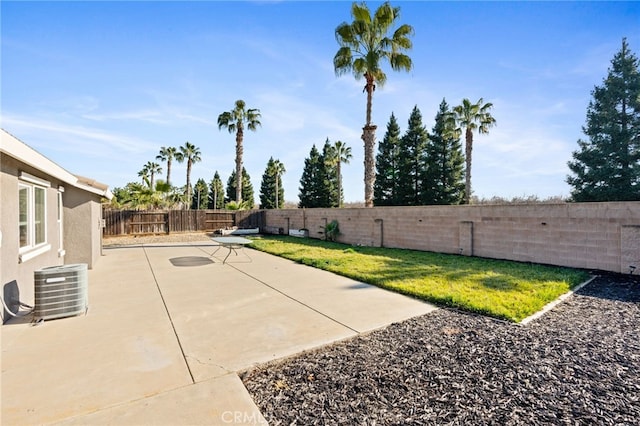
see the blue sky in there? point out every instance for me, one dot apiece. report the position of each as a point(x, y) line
point(99, 87)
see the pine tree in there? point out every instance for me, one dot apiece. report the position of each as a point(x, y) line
point(607, 166)
point(385, 190)
point(313, 189)
point(216, 192)
point(443, 176)
point(247, 189)
point(200, 195)
point(271, 180)
point(268, 186)
point(410, 160)
point(330, 163)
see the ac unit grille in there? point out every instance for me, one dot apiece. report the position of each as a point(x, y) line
point(61, 291)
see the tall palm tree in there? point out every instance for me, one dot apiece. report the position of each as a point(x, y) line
point(153, 169)
point(191, 154)
point(470, 117)
point(278, 171)
point(342, 155)
point(167, 154)
point(364, 45)
point(235, 121)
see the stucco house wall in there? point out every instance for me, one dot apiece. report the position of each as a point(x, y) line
point(16, 271)
point(82, 211)
point(73, 237)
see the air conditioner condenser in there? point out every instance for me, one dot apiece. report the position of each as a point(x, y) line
point(61, 291)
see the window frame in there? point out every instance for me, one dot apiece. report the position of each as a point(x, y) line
point(60, 220)
point(36, 217)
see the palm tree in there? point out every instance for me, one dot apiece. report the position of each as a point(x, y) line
point(342, 155)
point(191, 154)
point(144, 174)
point(364, 45)
point(235, 121)
point(167, 154)
point(278, 171)
point(153, 169)
point(472, 117)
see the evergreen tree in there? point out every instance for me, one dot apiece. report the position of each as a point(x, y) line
point(200, 198)
point(267, 187)
point(247, 189)
point(385, 189)
point(313, 190)
point(607, 166)
point(443, 176)
point(410, 161)
point(216, 192)
point(271, 182)
point(330, 163)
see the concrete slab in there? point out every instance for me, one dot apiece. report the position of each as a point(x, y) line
point(122, 350)
point(229, 321)
point(220, 401)
point(361, 307)
point(167, 329)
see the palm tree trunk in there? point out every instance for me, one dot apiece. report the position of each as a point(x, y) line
point(339, 182)
point(239, 137)
point(277, 190)
point(188, 190)
point(168, 172)
point(369, 138)
point(467, 154)
point(369, 88)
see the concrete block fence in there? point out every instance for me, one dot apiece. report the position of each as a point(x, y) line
point(604, 236)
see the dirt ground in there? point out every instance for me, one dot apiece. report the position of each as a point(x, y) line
point(127, 240)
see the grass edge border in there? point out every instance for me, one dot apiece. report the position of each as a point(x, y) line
point(549, 306)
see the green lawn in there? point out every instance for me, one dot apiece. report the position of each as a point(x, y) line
point(502, 289)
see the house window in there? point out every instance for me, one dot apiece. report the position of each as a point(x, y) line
point(32, 196)
point(24, 215)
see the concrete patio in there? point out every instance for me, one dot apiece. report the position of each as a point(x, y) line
point(168, 329)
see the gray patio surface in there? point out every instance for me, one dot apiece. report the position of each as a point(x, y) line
point(168, 329)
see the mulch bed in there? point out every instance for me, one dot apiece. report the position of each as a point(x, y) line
point(578, 364)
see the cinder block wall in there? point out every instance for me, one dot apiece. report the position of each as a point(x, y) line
point(584, 235)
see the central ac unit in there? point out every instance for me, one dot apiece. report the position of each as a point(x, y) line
point(61, 291)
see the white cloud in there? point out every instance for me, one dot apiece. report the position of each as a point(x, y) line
point(149, 116)
point(91, 141)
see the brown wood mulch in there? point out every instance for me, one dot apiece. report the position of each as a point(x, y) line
point(577, 364)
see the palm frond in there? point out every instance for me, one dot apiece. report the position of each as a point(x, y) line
point(384, 17)
point(343, 61)
point(344, 35)
point(400, 62)
point(360, 12)
point(359, 68)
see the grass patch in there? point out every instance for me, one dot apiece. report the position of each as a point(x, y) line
point(502, 289)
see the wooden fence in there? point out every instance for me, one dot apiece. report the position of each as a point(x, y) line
point(133, 222)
